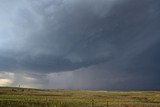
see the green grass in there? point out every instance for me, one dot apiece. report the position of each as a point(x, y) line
point(23, 97)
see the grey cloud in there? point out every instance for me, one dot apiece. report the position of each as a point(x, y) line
point(112, 38)
point(59, 37)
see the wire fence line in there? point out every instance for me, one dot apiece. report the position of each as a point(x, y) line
point(92, 103)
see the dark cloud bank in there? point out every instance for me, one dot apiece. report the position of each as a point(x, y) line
point(82, 44)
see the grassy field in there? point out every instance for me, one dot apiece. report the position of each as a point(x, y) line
point(23, 97)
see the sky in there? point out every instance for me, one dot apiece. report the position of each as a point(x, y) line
point(80, 44)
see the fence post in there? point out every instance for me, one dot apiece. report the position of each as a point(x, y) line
point(60, 104)
point(107, 104)
point(92, 103)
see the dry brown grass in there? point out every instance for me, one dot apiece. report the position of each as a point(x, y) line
point(23, 97)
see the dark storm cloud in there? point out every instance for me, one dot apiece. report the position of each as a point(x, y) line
point(113, 38)
point(58, 35)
